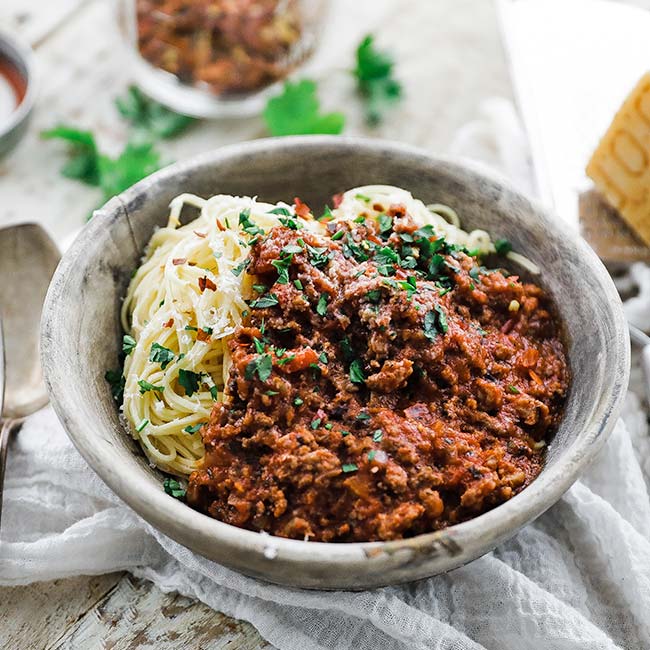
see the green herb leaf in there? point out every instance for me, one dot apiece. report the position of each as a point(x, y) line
point(298, 401)
point(375, 81)
point(128, 344)
point(174, 488)
point(148, 117)
point(116, 381)
point(261, 365)
point(321, 307)
point(193, 428)
point(296, 111)
point(141, 426)
point(189, 380)
point(377, 435)
point(145, 387)
point(83, 162)
point(502, 246)
point(270, 300)
point(357, 375)
point(240, 267)
point(514, 390)
point(315, 423)
point(134, 163)
point(349, 467)
point(283, 211)
point(371, 454)
point(160, 354)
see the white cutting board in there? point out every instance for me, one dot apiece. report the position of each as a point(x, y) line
point(573, 62)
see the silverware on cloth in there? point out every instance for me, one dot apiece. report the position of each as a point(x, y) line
point(28, 258)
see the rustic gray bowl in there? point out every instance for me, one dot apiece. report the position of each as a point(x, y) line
point(81, 339)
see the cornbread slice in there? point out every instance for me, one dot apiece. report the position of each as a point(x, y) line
point(620, 166)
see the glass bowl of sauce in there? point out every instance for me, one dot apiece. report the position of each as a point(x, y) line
point(217, 58)
point(16, 91)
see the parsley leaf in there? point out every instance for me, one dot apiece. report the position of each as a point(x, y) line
point(189, 380)
point(270, 300)
point(297, 112)
point(357, 375)
point(128, 344)
point(193, 428)
point(262, 365)
point(83, 162)
point(502, 246)
point(148, 117)
point(116, 381)
point(160, 354)
point(435, 321)
point(349, 467)
point(174, 488)
point(134, 163)
point(321, 307)
point(145, 387)
point(375, 81)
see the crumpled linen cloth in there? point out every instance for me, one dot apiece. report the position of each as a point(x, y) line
point(578, 577)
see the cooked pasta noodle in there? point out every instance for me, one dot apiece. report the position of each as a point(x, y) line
point(189, 295)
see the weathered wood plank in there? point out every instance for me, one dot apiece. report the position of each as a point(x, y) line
point(33, 617)
point(138, 616)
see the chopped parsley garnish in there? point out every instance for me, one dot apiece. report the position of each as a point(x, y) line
point(160, 354)
point(128, 344)
point(327, 213)
point(214, 392)
point(292, 224)
point(315, 423)
point(321, 307)
point(338, 235)
point(259, 346)
point(261, 366)
point(360, 219)
point(298, 285)
point(142, 425)
point(247, 225)
point(474, 272)
point(349, 467)
point(298, 401)
point(174, 488)
point(318, 256)
point(240, 267)
point(271, 393)
point(260, 288)
point(409, 286)
point(357, 375)
point(363, 416)
point(514, 390)
point(435, 321)
point(322, 357)
point(374, 295)
point(502, 246)
point(377, 435)
point(345, 433)
point(193, 428)
point(282, 267)
point(362, 197)
point(145, 386)
point(385, 223)
point(386, 258)
point(283, 211)
point(189, 380)
point(346, 349)
point(270, 300)
point(371, 454)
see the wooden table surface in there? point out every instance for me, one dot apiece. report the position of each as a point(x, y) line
point(449, 57)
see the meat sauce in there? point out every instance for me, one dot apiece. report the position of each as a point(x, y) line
point(383, 385)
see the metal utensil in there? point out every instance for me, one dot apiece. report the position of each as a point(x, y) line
point(28, 258)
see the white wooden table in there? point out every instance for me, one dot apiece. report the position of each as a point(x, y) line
point(449, 56)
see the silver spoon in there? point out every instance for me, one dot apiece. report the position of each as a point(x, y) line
point(28, 258)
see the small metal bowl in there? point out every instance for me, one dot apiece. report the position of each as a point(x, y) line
point(21, 58)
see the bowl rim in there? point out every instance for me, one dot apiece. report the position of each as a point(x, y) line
point(475, 536)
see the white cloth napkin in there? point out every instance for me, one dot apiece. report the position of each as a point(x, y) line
point(578, 577)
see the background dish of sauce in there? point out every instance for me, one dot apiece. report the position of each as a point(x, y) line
point(13, 86)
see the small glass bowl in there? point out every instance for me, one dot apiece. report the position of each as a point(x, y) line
point(217, 58)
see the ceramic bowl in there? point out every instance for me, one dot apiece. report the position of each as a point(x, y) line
point(81, 338)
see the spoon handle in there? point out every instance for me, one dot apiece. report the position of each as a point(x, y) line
point(7, 427)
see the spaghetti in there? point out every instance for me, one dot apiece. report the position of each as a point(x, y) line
point(191, 292)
